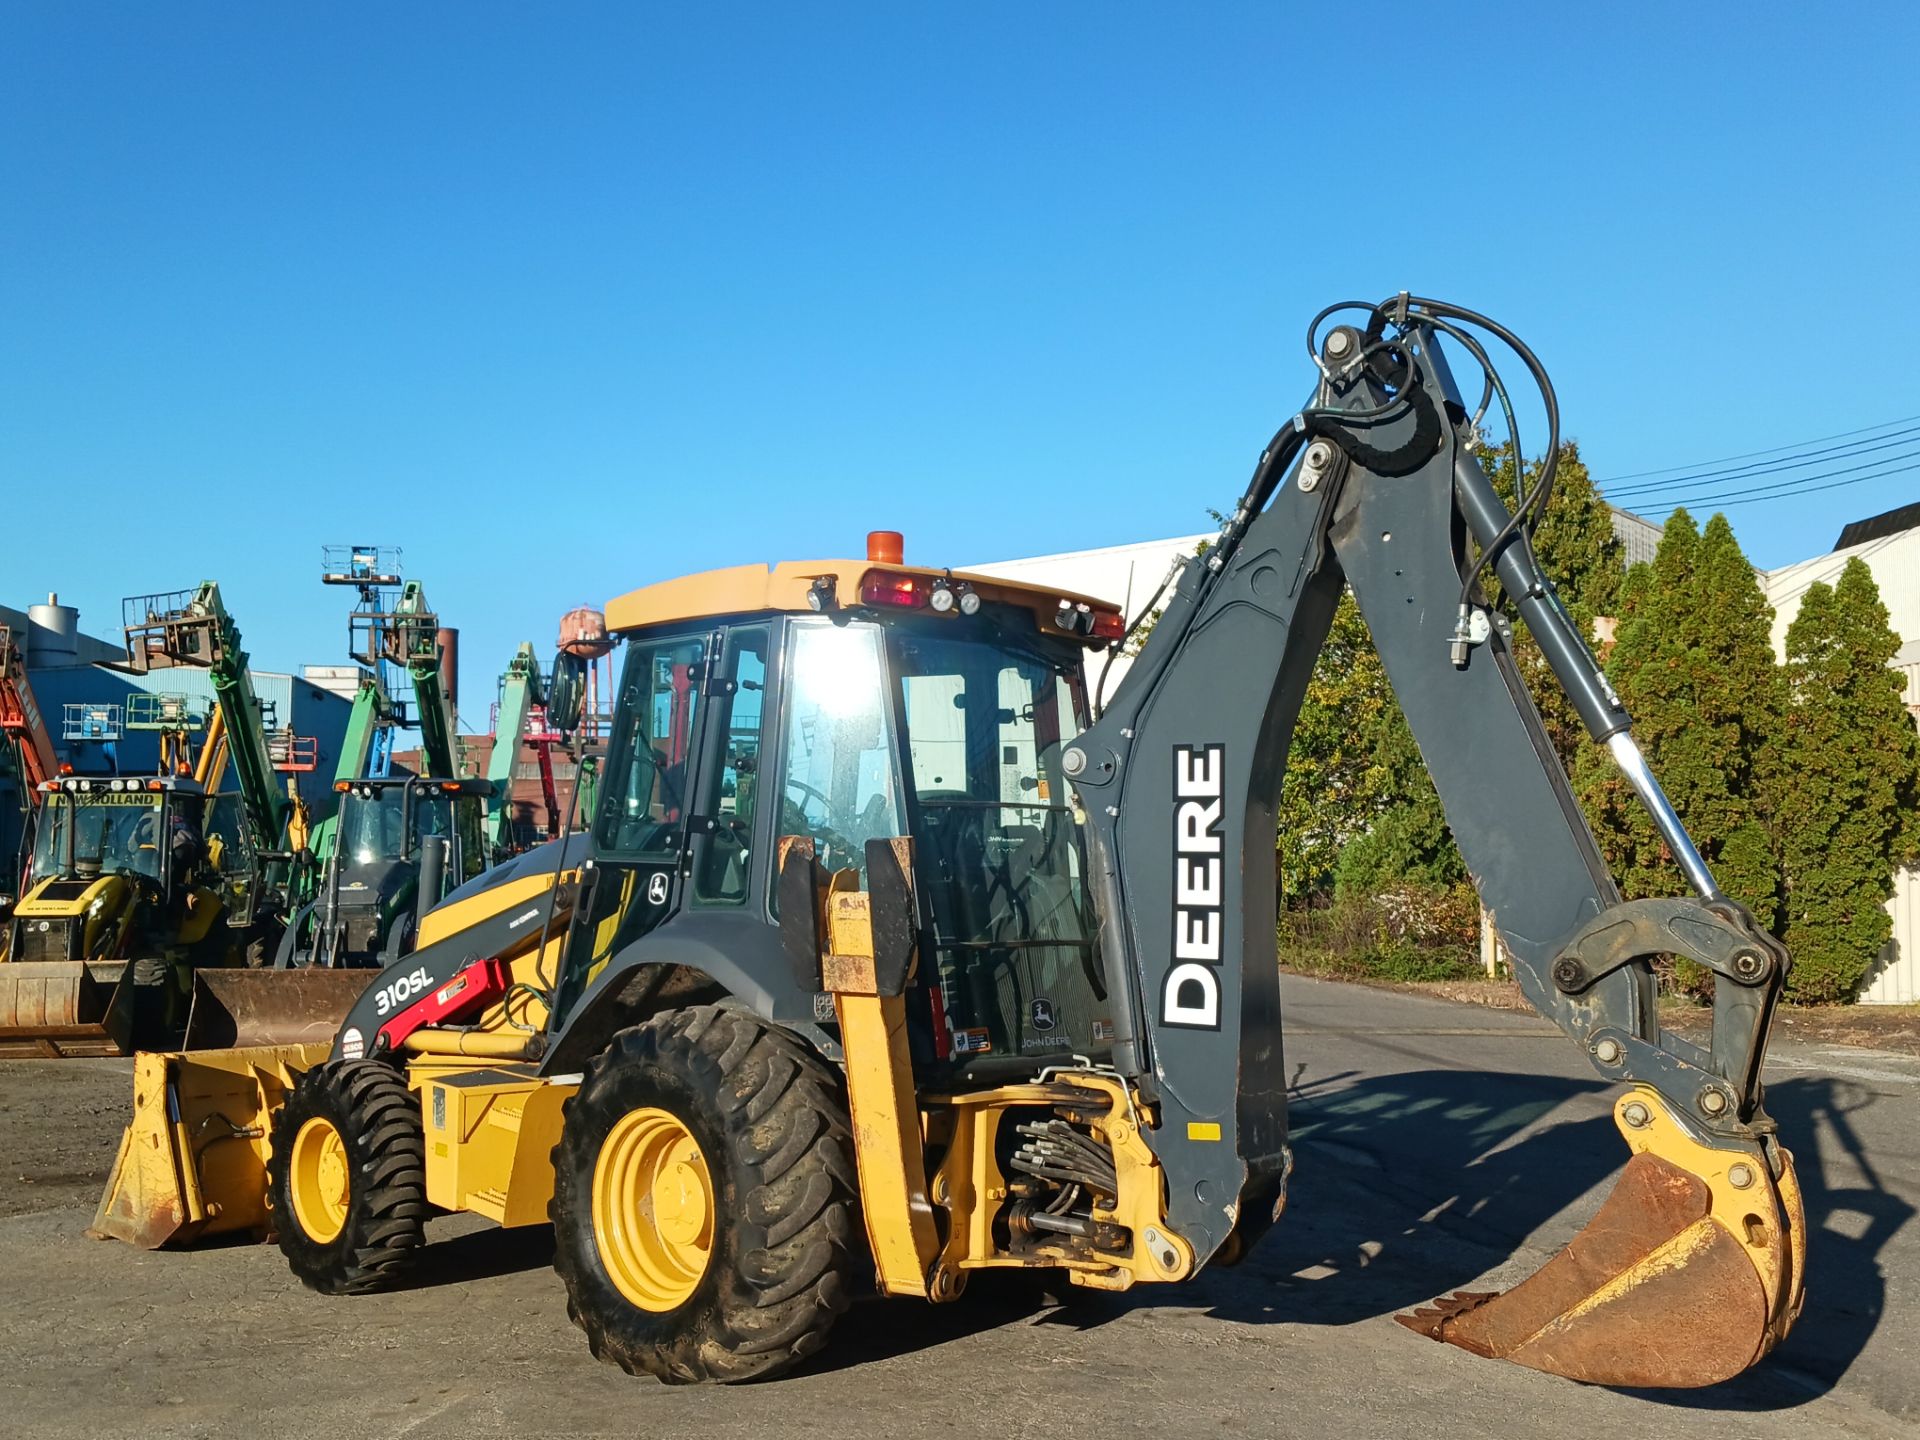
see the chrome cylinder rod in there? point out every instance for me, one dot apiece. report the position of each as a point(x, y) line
point(1633, 765)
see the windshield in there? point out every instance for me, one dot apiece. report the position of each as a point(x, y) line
point(109, 831)
point(986, 726)
point(374, 821)
point(838, 785)
point(432, 815)
point(373, 824)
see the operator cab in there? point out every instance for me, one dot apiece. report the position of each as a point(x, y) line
point(109, 853)
point(386, 828)
point(845, 702)
point(93, 826)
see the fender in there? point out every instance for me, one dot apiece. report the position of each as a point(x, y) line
point(741, 954)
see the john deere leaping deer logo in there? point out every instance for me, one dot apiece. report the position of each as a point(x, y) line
point(657, 887)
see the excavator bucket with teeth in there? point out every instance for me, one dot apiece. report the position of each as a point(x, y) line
point(1688, 1274)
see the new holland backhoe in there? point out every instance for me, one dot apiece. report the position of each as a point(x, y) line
point(883, 961)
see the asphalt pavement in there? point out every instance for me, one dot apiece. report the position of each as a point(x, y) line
point(1439, 1145)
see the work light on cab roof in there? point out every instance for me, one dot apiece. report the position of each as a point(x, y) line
point(945, 593)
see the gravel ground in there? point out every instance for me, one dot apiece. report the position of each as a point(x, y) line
point(1439, 1147)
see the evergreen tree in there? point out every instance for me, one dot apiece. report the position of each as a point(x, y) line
point(1332, 785)
point(1848, 788)
point(1694, 665)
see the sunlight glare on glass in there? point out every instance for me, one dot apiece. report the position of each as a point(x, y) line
point(839, 670)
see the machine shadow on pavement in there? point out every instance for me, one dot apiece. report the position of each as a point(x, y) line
point(1410, 1186)
point(483, 1253)
point(1407, 1187)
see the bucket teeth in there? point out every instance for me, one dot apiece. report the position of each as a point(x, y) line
point(1431, 1320)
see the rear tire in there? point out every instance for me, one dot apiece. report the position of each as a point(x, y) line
point(758, 1288)
point(347, 1179)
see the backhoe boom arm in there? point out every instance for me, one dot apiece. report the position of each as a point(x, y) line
point(1376, 485)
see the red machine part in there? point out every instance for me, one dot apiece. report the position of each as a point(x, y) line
point(20, 718)
point(472, 988)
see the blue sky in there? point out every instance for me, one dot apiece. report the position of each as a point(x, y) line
point(564, 299)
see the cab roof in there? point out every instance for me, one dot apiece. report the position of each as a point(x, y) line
point(790, 585)
point(122, 784)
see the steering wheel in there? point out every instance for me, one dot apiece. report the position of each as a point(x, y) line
point(812, 792)
point(822, 831)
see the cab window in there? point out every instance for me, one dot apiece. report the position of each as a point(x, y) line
point(724, 871)
point(643, 812)
point(837, 783)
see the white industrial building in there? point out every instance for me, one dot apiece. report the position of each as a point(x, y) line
point(1889, 543)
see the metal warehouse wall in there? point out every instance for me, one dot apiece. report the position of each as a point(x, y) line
point(309, 709)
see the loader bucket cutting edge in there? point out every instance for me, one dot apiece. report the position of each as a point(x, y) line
point(1688, 1274)
point(63, 1007)
point(243, 1008)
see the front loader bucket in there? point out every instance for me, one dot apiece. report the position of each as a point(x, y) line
point(193, 1161)
point(61, 1007)
point(1690, 1272)
point(270, 1007)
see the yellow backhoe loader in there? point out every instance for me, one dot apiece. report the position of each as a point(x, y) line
point(884, 961)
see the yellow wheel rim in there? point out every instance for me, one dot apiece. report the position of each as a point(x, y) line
point(653, 1209)
point(322, 1180)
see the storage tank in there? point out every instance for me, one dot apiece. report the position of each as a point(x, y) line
point(53, 633)
point(583, 632)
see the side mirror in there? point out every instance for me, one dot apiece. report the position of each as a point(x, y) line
point(566, 691)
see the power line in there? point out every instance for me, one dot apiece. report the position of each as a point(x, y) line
point(1796, 488)
point(1774, 467)
point(1710, 493)
point(1750, 454)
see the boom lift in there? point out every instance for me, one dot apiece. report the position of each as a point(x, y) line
point(229, 866)
point(174, 720)
point(523, 699)
point(398, 843)
point(29, 749)
point(398, 847)
point(876, 926)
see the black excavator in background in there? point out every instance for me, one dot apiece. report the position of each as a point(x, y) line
point(883, 959)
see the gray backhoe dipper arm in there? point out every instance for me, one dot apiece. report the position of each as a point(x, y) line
point(1375, 484)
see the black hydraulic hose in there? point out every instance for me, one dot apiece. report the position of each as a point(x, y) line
point(1403, 459)
point(1119, 646)
point(1496, 385)
point(1536, 503)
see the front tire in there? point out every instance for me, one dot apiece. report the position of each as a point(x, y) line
point(347, 1178)
point(704, 1199)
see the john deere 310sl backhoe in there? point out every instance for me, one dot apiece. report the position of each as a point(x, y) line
point(882, 959)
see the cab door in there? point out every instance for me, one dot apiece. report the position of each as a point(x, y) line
point(641, 833)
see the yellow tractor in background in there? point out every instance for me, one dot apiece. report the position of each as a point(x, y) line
point(883, 960)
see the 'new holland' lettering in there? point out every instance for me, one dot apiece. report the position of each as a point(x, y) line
point(1190, 998)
